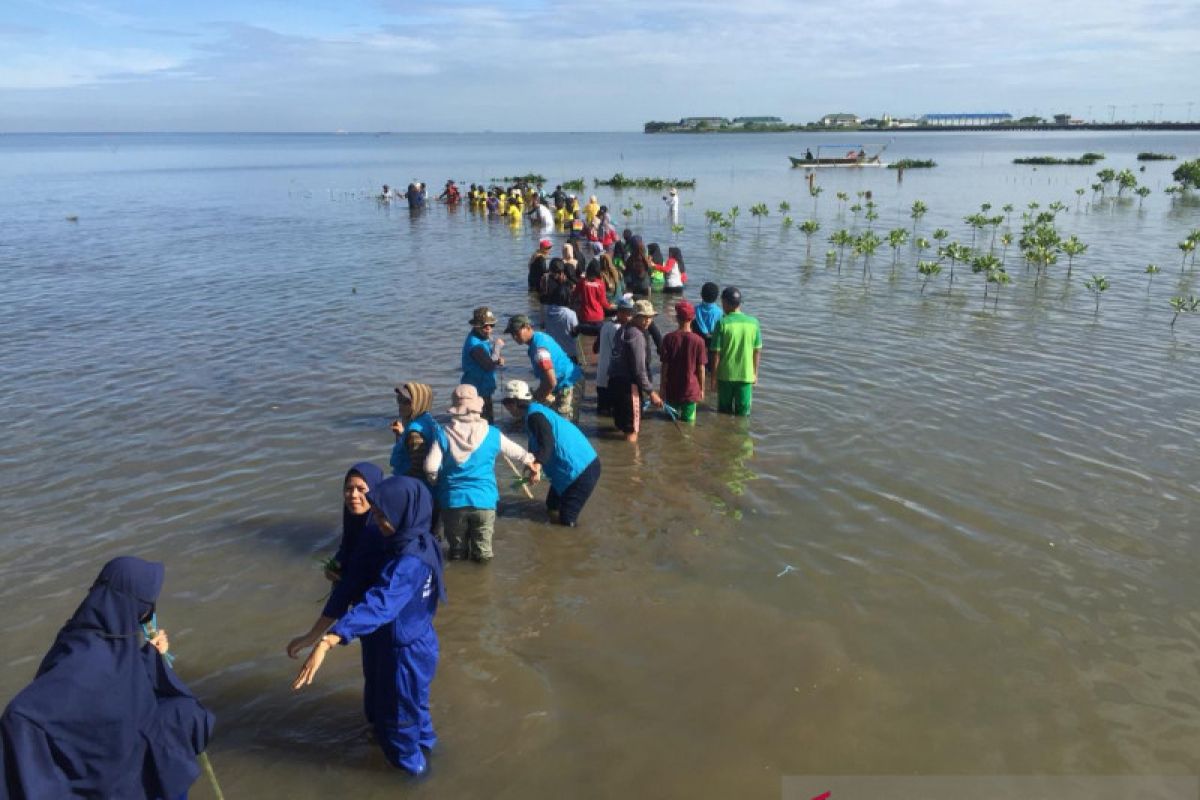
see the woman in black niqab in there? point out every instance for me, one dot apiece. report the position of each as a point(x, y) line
point(105, 716)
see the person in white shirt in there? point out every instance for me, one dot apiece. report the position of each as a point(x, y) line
point(671, 198)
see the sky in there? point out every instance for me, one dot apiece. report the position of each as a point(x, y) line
point(604, 65)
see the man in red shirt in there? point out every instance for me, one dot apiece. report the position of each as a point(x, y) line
point(683, 357)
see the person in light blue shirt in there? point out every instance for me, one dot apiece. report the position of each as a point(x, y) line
point(481, 358)
point(560, 380)
point(708, 314)
point(463, 463)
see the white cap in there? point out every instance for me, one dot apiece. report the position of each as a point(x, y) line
point(516, 390)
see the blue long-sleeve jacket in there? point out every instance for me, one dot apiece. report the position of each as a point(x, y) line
point(404, 599)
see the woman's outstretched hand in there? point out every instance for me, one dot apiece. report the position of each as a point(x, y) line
point(313, 662)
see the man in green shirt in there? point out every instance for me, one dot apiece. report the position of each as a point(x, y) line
point(736, 348)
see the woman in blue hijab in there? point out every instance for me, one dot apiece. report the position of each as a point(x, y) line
point(395, 622)
point(358, 557)
point(105, 716)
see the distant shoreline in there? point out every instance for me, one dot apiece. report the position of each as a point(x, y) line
point(1087, 126)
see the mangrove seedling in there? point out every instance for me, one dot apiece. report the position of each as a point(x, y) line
point(985, 265)
point(626, 213)
point(809, 227)
point(1007, 208)
point(841, 238)
point(866, 245)
point(897, 238)
point(1070, 248)
point(714, 217)
point(916, 212)
point(733, 215)
point(929, 270)
point(842, 197)
point(940, 235)
point(784, 206)
point(1185, 247)
point(1151, 270)
point(718, 236)
point(1097, 285)
point(977, 222)
point(954, 252)
point(1187, 175)
point(814, 192)
point(1006, 239)
point(676, 229)
point(787, 223)
point(1079, 193)
point(758, 211)
point(1142, 192)
point(1126, 180)
point(999, 277)
point(1183, 305)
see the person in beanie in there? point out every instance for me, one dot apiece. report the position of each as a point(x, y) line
point(564, 454)
point(736, 349)
point(683, 359)
point(462, 463)
point(481, 357)
point(557, 374)
point(629, 373)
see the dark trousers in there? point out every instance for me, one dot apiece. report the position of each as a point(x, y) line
point(571, 501)
point(603, 402)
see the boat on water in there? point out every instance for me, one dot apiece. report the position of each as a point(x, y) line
point(842, 155)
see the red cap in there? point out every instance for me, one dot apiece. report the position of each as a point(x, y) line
point(545, 244)
point(685, 310)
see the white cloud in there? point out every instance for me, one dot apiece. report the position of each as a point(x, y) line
point(67, 67)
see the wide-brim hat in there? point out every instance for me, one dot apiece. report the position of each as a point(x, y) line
point(465, 400)
point(482, 316)
point(644, 308)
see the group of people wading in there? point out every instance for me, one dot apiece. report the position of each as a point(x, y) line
point(106, 716)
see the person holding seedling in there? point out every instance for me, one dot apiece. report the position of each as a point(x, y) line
point(106, 716)
point(395, 623)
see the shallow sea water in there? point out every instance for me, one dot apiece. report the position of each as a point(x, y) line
point(950, 540)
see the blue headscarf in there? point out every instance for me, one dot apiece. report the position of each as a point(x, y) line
point(353, 524)
point(408, 506)
point(105, 716)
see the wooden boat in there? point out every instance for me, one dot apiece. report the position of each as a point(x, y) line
point(855, 155)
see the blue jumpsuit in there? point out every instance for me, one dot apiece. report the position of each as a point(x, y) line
point(394, 620)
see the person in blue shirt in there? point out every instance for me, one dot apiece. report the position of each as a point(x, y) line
point(560, 380)
point(463, 463)
point(415, 429)
point(105, 717)
point(395, 622)
point(481, 358)
point(708, 314)
point(565, 456)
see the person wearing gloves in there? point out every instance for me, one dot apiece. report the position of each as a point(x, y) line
point(395, 623)
point(462, 461)
point(563, 453)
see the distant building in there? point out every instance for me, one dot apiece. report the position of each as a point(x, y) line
point(703, 122)
point(965, 119)
point(839, 120)
point(757, 121)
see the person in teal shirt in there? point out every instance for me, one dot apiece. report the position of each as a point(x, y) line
point(560, 380)
point(563, 453)
point(481, 358)
point(736, 350)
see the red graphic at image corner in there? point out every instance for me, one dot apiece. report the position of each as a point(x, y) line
point(823, 796)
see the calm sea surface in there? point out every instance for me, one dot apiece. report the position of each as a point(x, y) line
point(951, 539)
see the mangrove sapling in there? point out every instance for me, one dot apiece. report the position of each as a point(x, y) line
point(1079, 197)
point(1097, 188)
point(1183, 305)
point(758, 211)
point(787, 223)
point(977, 222)
point(733, 215)
point(1126, 180)
point(1187, 175)
point(994, 223)
point(676, 229)
point(1185, 247)
point(984, 265)
point(814, 191)
point(866, 245)
point(1151, 270)
point(1097, 285)
point(784, 206)
point(940, 235)
point(718, 236)
point(871, 215)
point(929, 270)
point(626, 213)
point(842, 197)
point(841, 238)
point(897, 238)
point(916, 212)
point(1194, 238)
point(1142, 192)
point(1106, 176)
point(714, 217)
point(954, 252)
point(809, 227)
point(1056, 208)
point(1007, 208)
point(1006, 239)
point(1072, 247)
point(638, 208)
point(999, 277)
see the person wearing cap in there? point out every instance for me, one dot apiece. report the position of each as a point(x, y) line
point(603, 349)
point(563, 454)
point(462, 464)
point(671, 198)
point(481, 357)
point(736, 349)
point(558, 376)
point(681, 382)
point(415, 429)
point(629, 371)
point(540, 215)
point(539, 265)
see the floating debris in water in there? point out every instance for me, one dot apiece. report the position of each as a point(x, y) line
point(73, 218)
point(786, 569)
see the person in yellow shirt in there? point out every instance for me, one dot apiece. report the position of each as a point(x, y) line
point(591, 209)
point(514, 215)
